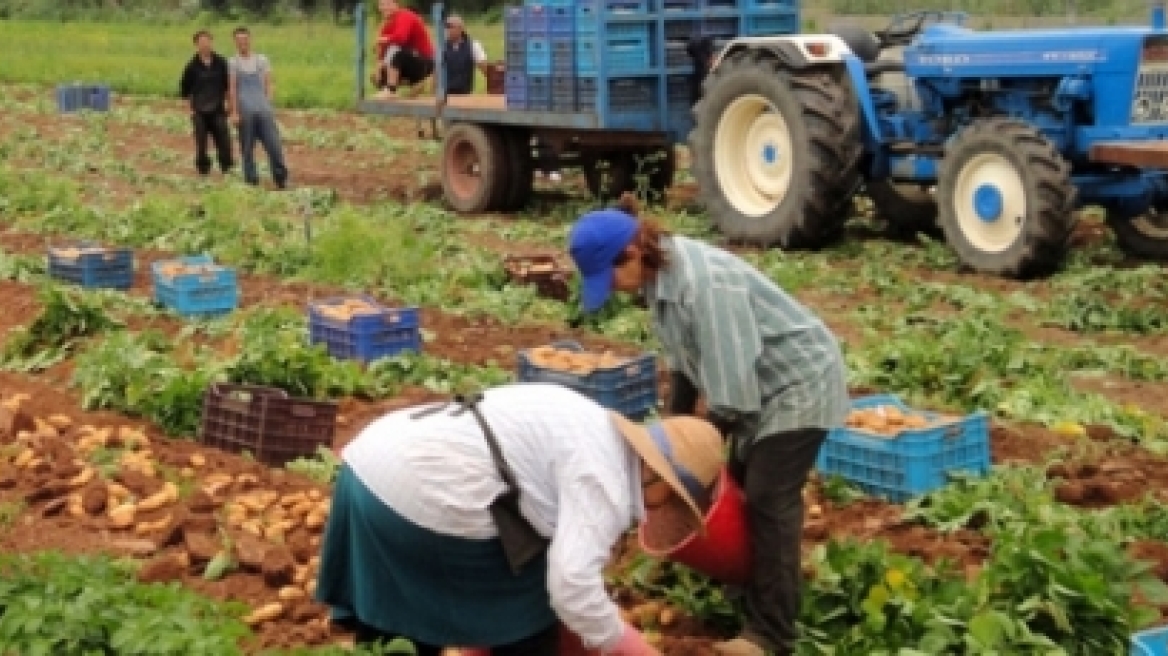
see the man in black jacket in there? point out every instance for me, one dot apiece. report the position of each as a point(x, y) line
point(204, 85)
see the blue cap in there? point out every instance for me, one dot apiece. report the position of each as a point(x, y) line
point(596, 240)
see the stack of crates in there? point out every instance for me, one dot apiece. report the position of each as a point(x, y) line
point(77, 96)
point(624, 60)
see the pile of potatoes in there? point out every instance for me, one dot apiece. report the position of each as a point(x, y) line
point(889, 420)
point(174, 269)
point(581, 364)
point(348, 308)
point(74, 252)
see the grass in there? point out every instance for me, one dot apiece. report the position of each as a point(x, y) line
point(313, 61)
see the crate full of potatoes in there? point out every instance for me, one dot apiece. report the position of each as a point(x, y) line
point(890, 450)
point(627, 385)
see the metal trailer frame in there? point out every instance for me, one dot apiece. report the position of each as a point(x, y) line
point(573, 138)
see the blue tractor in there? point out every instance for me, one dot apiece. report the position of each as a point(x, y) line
point(997, 138)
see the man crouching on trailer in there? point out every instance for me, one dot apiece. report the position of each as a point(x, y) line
point(405, 52)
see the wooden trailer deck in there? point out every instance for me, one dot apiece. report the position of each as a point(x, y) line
point(477, 108)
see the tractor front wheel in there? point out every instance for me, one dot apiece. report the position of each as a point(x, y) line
point(1144, 236)
point(1005, 199)
point(776, 151)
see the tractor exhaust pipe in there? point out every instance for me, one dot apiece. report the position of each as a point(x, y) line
point(1158, 22)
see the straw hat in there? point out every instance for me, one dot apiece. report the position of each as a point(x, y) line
point(686, 452)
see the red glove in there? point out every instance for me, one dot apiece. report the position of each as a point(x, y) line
point(632, 643)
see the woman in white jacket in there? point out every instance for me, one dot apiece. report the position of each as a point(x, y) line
point(412, 548)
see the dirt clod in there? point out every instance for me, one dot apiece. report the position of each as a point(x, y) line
point(278, 567)
point(165, 567)
point(202, 547)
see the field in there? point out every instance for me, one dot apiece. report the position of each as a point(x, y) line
point(1063, 549)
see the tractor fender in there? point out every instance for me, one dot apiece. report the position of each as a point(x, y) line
point(796, 51)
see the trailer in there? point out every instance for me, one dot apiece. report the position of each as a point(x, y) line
point(599, 85)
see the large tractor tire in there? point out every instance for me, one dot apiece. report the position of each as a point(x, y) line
point(776, 151)
point(520, 169)
point(1144, 236)
point(474, 168)
point(906, 208)
point(1005, 199)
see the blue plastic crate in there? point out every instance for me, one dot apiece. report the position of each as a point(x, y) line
point(676, 55)
point(679, 5)
point(559, 3)
point(515, 21)
point(97, 97)
point(539, 92)
point(768, 24)
point(536, 22)
point(539, 56)
point(677, 94)
point(682, 29)
point(770, 5)
point(585, 62)
point(587, 20)
point(515, 90)
point(366, 336)
point(107, 268)
point(911, 463)
point(1150, 642)
point(725, 6)
point(561, 21)
point(70, 98)
point(630, 389)
point(208, 293)
point(626, 6)
point(634, 103)
point(626, 56)
point(586, 93)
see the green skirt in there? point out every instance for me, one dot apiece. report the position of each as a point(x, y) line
point(395, 576)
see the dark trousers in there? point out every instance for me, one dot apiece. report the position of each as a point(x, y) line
point(772, 473)
point(213, 125)
point(261, 127)
point(544, 643)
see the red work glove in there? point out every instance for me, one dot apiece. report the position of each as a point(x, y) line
point(632, 643)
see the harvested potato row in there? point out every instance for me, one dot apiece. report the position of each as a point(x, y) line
point(549, 357)
point(889, 420)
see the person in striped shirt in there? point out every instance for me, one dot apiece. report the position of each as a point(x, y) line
point(771, 374)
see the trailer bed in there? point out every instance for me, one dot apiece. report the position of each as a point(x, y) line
point(477, 108)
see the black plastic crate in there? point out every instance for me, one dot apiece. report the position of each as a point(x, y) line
point(679, 5)
point(515, 90)
point(563, 92)
point(632, 93)
point(720, 5)
point(539, 92)
point(564, 58)
point(586, 93)
point(676, 55)
point(682, 29)
point(516, 57)
point(724, 27)
point(265, 422)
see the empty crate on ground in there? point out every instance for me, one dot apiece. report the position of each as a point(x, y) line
point(626, 385)
point(358, 328)
point(77, 96)
point(551, 278)
point(92, 265)
point(891, 451)
point(266, 422)
point(195, 286)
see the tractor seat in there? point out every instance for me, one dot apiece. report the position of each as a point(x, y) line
point(866, 46)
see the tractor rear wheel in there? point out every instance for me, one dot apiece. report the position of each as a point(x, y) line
point(1005, 199)
point(906, 208)
point(1144, 236)
point(474, 168)
point(776, 151)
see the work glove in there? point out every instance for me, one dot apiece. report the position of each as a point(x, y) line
point(632, 643)
point(683, 395)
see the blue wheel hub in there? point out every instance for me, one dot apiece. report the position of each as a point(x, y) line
point(770, 154)
point(987, 202)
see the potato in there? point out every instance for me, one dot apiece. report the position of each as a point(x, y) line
point(314, 495)
point(302, 509)
point(122, 516)
point(197, 460)
point(290, 593)
point(145, 528)
point(815, 511)
point(310, 587)
point(667, 616)
point(24, 458)
point(293, 499)
point(252, 526)
point(300, 575)
point(265, 613)
point(167, 495)
point(314, 520)
point(60, 421)
point(83, 478)
point(244, 480)
point(273, 533)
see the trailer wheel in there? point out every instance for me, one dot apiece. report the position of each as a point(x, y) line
point(776, 151)
point(474, 167)
point(520, 169)
point(1144, 236)
point(906, 208)
point(1006, 199)
point(651, 171)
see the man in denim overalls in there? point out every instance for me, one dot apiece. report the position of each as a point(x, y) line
point(251, 102)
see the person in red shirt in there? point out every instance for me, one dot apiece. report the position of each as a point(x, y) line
point(405, 52)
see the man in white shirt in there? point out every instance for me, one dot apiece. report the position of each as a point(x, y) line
point(412, 550)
